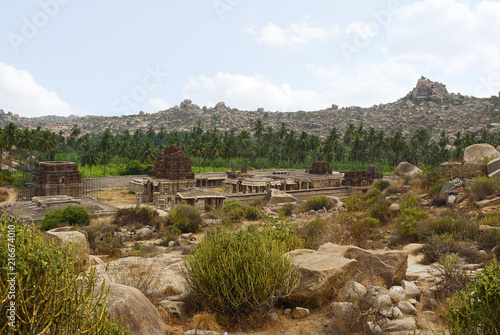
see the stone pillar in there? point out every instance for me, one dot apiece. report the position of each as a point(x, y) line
point(138, 199)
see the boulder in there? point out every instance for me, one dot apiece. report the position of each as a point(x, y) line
point(137, 311)
point(377, 298)
point(391, 313)
point(477, 152)
point(407, 169)
point(76, 239)
point(342, 310)
point(397, 294)
point(407, 308)
point(275, 197)
point(411, 290)
point(400, 325)
point(488, 202)
point(390, 266)
point(352, 291)
point(300, 313)
point(175, 308)
point(494, 167)
point(161, 274)
point(322, 273)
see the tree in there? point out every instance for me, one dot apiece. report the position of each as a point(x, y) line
point(244, 143)
point(148, 153)
point(258, 131)
point(9, 139)
point(198, 148)
point(105, 145)
point(88, 155)
point(215, 149)
point(46, 141)
point(398, 144)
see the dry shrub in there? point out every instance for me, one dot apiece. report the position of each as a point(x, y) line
point(137, 217)
point(481, 187)
point(205, 321)
point(144, 275)
point(349, 229)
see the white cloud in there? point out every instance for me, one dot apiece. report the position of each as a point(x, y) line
point(155, 105)
point(448, 34)
point(368, 83)
point(251, 92)
point(21, 94)
point(298, 34)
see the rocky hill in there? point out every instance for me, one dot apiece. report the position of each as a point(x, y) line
point(428, 105)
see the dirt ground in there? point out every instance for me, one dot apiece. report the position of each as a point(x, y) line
point(117, 197)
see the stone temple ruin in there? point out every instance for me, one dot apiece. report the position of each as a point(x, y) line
point(173, 181)
point(57, 178)
point(171, 175)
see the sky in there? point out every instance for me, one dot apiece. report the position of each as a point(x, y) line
point(63, 57)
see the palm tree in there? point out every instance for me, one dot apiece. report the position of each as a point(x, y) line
point(258, 131)
point(443, 142)
point(105, 145)
point(9, 139)
point(148, 153)
point(420, 141)
point(198, 148)
point(349, 133)
point(228, 148)
point(244, 143)
point(46, 141)
point(303, 145)
point(398, 144)
point(88, 155)
point(75, 131)
point(290, 145)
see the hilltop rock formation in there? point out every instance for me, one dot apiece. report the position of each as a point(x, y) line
point(427, 90)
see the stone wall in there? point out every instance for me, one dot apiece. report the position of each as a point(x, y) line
point(320, 168)
point(357, 178)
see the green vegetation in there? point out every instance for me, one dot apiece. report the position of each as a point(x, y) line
point(476, 310)
point(185, 218)
point(54, 294)
point(481, 187)
point(410, 214)
point(239, 273)
point(71, 215)
point(316, 203)
point(137, 217)
point(252, 213)
point(232, 213)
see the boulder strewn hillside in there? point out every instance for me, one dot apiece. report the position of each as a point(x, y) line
point(428, 105)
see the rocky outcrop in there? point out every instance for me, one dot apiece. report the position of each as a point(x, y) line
point(427, 90)
point(275, 197)
point(407, 169)
point(494, 167)
point(476, 153)
point(138, 313)
point(76, 239)
point(322, 273)
point(390, 266)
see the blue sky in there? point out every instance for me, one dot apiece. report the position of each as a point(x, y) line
point(62, 57)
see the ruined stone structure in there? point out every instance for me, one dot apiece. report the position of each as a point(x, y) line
point(320, 168)
point(57, 178)
point(357, 178)
point(173, 164)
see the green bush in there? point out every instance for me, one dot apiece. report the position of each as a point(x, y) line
point(239, 273)
point(380, 210)
point(185, 217)
point(477, 309)
point(409, 218)
point(287, 209)
point(53, 293)
point(232, 212)
point(252, 213)
point(481, 187)
point(71, 215)
point(359, 202)
point(437, 246)
point(283, 235)
point(371, 222)
point(316, 203)
point(134, 167)
point(381, 185)
point(410, 200)
point(458, 226)
point(172, 233)
point(314, 233)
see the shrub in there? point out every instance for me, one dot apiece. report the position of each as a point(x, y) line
point(477, 309)
point(71, 215)
point(185, 217)
point(314, 233)
point(490, 220)
point(363, 202)
point(232, 212)
point(381, 185)
point(138, 217)
point(450, 278)
point(287, 209)
point(437, 246)
point(371, 222)
point(380, 210)
point(53, 293)
point(409, 200)
point(481, 187)
point(172, 233)
point(135, 167)
point(239, 273)
point(252, 213)
point(316, 203)
point(408, 218)
point(283, 235)
point(458, 226)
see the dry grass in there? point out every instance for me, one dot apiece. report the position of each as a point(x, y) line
point(205, 321)
point(117, 197)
